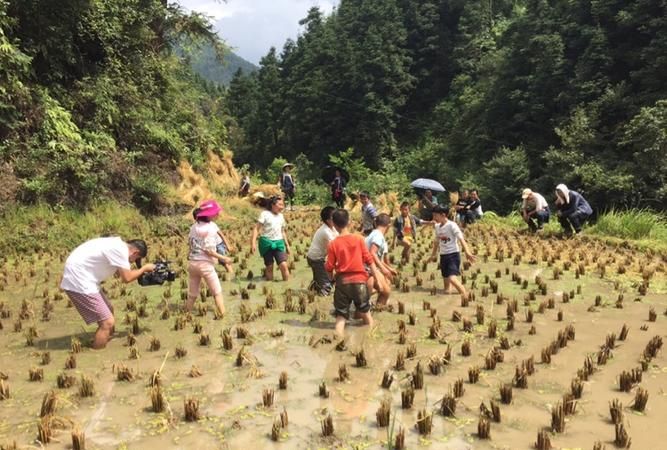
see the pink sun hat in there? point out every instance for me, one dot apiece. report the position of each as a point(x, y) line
point(209, 208)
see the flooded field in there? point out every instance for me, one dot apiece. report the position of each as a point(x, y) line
point(555, 331)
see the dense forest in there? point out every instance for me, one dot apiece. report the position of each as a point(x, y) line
point(492, 94)
point(97, 100)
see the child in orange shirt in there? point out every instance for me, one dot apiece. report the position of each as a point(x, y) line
point(346, 256)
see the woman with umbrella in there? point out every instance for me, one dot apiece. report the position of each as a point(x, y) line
point(425, 187)
point(337, 179)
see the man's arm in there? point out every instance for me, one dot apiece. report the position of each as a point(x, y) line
point(129, 275)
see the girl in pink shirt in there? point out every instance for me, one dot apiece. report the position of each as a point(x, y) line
point(203, 238)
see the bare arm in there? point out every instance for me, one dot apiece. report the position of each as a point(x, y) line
point(129, 275)
point(253, 239)
point(466, 249)
point(378, 262)
point(287, 246)
point(225, 241)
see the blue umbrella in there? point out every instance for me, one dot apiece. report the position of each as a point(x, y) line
point(427, 183)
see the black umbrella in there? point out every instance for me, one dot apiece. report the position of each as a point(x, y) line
point(329, 173)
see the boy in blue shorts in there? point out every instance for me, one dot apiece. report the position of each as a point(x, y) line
point(448, 235)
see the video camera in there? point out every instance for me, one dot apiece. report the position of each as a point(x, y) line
point(158, 276)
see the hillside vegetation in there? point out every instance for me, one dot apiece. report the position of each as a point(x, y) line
point(497, 95)
point(95, 104)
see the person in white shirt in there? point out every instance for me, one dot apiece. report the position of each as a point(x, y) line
point(88, 266)
point(448, 236)
point(273, 243)
point(317, 253)
point(534, 210)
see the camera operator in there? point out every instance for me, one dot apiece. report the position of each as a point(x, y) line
point(93, 262)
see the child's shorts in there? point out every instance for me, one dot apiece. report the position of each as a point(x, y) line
point(450, 264)
point(346, 294)
point(277, 255)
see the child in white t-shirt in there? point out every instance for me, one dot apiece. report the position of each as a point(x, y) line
point(203, 239)
point(448, 235)
point(273, 243)
point(379, 249)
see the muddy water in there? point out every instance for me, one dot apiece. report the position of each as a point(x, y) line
point(119, 416)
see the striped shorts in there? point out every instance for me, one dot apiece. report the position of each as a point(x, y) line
point(92, 307)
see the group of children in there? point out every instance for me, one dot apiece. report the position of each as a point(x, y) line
point(357, 266)
point(352, 265)
point(209, 246)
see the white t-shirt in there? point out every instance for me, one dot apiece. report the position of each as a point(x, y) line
point(537, 203)
point(448, 235)
point(203, 236)
point(376, 237)
point(321, 239)
point(93, 262)
point(272, 225)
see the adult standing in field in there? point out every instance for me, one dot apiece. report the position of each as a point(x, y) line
point(338, 189)
point(534, 210)
point(405, 230)
point(204, 240)
point(572, 209)
point(88, 266)
point(287, 184)
point(245, 185)
point(317, 253)
point(427, 202)
point(368, 214)
point(273, 242)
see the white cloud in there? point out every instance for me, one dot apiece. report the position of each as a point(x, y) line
point(251, 27)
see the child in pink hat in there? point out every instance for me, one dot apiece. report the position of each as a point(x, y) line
point(203, 239)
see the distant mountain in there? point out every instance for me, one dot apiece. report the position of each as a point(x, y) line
point(208, 67)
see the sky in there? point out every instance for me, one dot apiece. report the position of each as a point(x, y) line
point(252, 27)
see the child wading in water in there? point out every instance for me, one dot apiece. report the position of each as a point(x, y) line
point(346, 257)
point(379, 250)
point(203, 239)
point(222, 249)
point(447, 236)
point(273, 243)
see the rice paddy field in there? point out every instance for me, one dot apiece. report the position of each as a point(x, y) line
point(559, 345)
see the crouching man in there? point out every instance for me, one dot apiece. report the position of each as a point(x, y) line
point(88, 266)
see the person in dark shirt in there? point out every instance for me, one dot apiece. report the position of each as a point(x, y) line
point(287, 184)
point(338, 189)
point(473, 210)
point(572, 209)
point(460, 207)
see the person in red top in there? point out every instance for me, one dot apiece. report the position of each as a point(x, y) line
point(346, 256)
